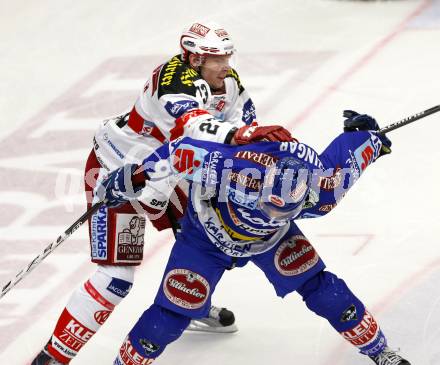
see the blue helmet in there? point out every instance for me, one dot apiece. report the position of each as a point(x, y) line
point(285, 190)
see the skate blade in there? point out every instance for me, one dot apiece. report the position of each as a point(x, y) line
point(210, 327)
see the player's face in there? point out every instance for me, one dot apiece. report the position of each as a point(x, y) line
point(214, 70)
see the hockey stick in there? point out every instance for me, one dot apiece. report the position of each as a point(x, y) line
point(409, 120)
point(51, 247)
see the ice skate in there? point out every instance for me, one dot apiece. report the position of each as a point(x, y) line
point(220, 320)
point(43, 358)
point(389, 357)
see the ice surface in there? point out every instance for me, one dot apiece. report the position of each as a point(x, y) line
point(66, 65)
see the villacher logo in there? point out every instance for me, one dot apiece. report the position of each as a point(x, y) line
point(186, 289)
point(295, 256)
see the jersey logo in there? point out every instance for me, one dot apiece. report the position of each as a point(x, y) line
point(188, 77)
point(260, 158)
point(365, 154)
point(330, 183)
point(130, 229)
point(188, 160)
point(148, 346)
point(169, 71)
point(245, 180)
point(249, 114)
point(220, 105)
point(177, 78)
point(350, 314)
point(180, 107)
point(186, 289)
point(119, 287)
point(99, 234)
point(129, 355)
point(365, 333)
point(295, 256)
point(101, 316)
point(303, 152)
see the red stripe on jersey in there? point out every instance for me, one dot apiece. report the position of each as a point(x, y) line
point(155, 79)
point(98, 297)
point(136, 122)
point(177, 130)
point(156, 133)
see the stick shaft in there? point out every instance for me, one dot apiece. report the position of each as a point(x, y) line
point(410, 119)
point(69, 231)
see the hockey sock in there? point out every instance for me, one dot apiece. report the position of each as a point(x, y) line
point(155, 329)
point(87, 310)
point(329, 297)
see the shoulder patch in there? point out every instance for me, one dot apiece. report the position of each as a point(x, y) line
point(232, 73)
point(248, 112)
point(177, 77)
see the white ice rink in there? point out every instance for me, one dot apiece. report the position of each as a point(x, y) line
point(65, 65)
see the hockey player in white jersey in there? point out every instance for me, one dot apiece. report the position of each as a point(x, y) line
point(200, 80)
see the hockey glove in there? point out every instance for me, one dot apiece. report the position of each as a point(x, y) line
point(273, 133)
point(363, 122)
point(118, 188)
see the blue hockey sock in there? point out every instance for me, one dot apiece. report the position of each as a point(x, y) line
point(330, 298)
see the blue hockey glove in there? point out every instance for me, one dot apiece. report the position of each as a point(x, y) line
point(118, 187)
point(363, 122)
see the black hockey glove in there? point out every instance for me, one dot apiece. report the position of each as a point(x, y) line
point(363, 122)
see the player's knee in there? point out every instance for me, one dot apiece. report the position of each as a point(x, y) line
point(95, 300)
point(113, 282)
point(104, 290)
point(329, 297)
point(156, 328)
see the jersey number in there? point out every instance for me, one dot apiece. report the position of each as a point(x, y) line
point(209, 128)
point(202, 89)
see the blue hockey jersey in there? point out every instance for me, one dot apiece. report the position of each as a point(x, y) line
point(226, 182)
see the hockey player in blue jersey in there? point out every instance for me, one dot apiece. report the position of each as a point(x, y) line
point(243, 207)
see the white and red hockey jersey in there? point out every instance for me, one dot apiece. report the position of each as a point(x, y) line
point(173, 89)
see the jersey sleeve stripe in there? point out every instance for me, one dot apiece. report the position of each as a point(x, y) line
point(136, 122)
